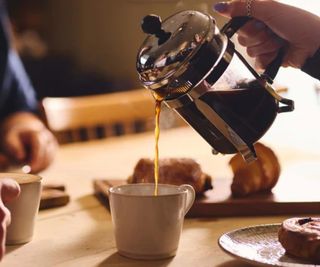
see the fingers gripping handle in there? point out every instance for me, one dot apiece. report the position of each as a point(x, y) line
point(233, 25)
point(229, 29)
point(190, 196)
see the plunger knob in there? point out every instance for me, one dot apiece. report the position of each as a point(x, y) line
point(151, 24)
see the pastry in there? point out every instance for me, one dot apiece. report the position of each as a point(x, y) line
point(300, 237)
point(175, 171)
point(258, 176)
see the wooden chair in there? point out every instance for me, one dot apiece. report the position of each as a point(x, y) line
point(90, 117)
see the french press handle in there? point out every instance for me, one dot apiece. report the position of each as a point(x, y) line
point(233, 25)
point(229, 29)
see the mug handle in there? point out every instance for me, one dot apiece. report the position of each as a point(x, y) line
point(191, 195)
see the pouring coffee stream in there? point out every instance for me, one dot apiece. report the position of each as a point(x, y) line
point(157, 135)
point(194, 67)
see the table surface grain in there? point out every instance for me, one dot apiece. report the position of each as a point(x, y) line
point(81, 233)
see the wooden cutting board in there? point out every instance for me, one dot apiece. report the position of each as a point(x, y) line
point(293, 195)
point(53, 195)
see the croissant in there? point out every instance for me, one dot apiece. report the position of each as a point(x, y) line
point(175, 171)
point(300, 237)
point(258, 176)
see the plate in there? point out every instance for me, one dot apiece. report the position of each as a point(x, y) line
point(258, 245)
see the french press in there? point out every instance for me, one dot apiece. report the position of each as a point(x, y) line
point(192, 66)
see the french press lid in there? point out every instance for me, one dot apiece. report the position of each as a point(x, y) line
point(175, 56)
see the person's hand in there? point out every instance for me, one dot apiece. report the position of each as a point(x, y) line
point(275, 25)
point(25, 139)
point(9, 190)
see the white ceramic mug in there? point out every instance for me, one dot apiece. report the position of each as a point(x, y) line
point(148, 226)
point(24, 208)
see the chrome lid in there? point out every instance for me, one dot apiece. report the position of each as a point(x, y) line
point(167, 58)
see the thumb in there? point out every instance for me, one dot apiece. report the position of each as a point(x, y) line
point(263, 10)
point(276, 15)
point(231, 8)
point(259, 9)
point(10, 189)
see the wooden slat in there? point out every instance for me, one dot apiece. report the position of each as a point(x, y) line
point(114, 110)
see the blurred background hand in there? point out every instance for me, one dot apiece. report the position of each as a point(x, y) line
point(26, 140)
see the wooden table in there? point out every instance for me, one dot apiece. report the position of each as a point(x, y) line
point(81, 233)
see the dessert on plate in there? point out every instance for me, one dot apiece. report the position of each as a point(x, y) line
point(300, 237)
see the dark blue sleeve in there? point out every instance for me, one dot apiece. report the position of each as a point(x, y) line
point(16, 91)
point(312, 65)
